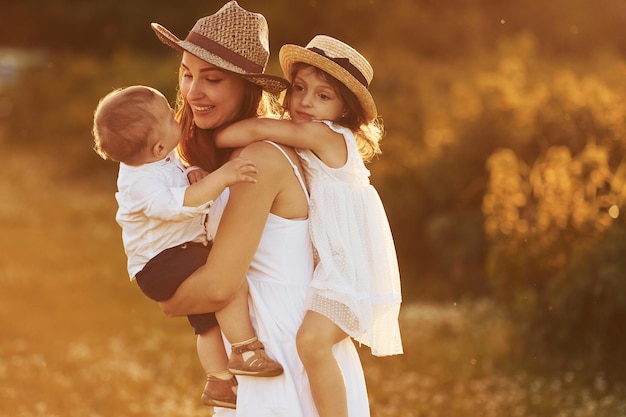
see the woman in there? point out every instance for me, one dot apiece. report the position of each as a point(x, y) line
point(263, 227)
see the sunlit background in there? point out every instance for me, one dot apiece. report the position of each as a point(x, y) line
point(503, 174)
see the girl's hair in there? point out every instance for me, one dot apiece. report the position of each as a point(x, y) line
point(124, 124)
point(368, 134)
point(197, 147)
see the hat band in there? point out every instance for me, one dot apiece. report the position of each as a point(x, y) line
point(224, 53)
point(345, 64)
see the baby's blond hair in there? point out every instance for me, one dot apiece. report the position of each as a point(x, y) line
point(123, 124)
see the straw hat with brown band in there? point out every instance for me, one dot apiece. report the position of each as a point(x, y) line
point(233, 39)
point(337, 59)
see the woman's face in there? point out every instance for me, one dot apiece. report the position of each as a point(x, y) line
point(214, 95)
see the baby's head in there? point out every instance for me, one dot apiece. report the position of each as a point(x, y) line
point(134, 125)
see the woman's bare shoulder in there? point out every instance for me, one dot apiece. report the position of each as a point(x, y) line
point(267, 155)
point(276, 179)
point(254, 148)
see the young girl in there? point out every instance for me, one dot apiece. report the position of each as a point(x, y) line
point(356, 286)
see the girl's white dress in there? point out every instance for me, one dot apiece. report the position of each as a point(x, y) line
point(279, 278)
point(356, 282)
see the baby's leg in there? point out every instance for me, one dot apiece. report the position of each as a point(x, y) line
point(220, 389)
point(315, 340)
point(211, 352)
point(234, 318)
point(248, 355)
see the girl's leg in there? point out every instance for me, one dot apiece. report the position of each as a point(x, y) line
point(248, 353)
point(315, 340)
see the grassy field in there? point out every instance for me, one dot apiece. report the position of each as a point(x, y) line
point(77, 339)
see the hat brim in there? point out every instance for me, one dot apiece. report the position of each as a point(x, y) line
point(270, 83)
point(291, 54)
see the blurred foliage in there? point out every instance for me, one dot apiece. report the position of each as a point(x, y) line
point(556, 259)
point(503, 168)
point(426, 27)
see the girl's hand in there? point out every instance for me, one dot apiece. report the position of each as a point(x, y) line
point(196, 175)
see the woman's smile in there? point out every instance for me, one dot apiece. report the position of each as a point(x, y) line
point(197, 108)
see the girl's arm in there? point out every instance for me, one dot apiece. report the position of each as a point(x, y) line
point(315, 136)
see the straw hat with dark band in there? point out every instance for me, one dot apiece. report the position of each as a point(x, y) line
point(233, 39)
point(337, 59)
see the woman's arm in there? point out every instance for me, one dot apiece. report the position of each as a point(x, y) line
point(236, 241)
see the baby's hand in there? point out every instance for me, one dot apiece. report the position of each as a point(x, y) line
point(237, 170)
point(196, 175)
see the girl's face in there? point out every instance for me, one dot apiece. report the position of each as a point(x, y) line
point(214, 95)
point(313, 98)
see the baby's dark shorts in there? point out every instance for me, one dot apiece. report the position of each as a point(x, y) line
point(163, 274)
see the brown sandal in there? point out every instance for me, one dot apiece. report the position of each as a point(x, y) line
point(220, 392)
point(257, 364)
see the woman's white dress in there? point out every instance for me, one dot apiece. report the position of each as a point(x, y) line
point(356, 283)
point(279, 279)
